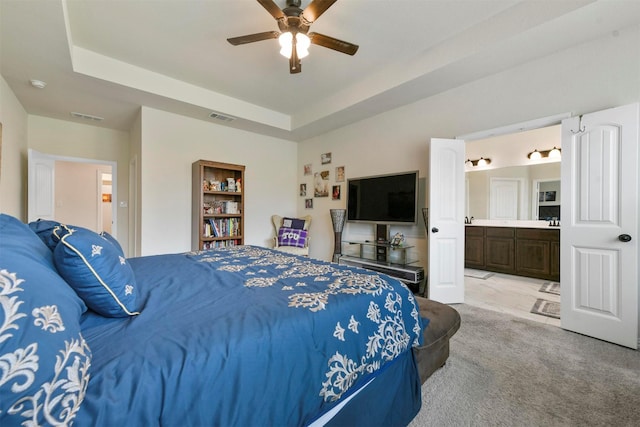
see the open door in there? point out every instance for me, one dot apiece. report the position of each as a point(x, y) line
point(599, 233)
point(41, 180)
point(445, 277)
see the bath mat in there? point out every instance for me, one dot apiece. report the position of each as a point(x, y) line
point(546, 308)
point(550, 288)
point(477, 274)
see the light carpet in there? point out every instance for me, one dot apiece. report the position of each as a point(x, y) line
point(508, 371)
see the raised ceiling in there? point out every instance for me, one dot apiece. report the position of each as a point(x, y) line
point(106, 58)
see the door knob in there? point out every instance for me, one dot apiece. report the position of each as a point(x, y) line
point(434, 230)
point(624, 238)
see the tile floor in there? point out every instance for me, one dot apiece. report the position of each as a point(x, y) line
point(504, 293)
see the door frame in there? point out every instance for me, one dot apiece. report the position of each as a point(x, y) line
point(114, 188)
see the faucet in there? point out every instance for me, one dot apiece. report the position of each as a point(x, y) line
point(468, 220)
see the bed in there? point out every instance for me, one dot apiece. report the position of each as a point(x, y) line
point(231, 337)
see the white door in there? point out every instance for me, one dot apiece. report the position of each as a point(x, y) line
point(504, 198)
point(40, 186)
point(445, 276)
point(599, 233)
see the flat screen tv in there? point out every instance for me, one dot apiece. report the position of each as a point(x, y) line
point(383, 199)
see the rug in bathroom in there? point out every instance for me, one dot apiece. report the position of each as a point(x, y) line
point(550, 288)
point(546, 308)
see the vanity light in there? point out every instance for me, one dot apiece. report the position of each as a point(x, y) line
point(480, 162)
point(554, 153)
point(535, 155)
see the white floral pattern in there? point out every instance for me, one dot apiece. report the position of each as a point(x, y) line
point(387, 334)
point(56, 401)
point(48, 318)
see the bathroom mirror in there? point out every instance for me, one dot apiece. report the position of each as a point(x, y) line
point(527, 192)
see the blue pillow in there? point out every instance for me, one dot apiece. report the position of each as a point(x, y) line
point(44, 229)
point(113, 241)
point(295, 223)
point(98, 272)
point(44, 358)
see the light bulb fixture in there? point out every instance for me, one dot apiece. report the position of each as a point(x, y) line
point(554, 153)
point(287, 43)
point(480, 162)
point(38, 84)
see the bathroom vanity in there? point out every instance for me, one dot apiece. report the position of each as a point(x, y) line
point(522, 248)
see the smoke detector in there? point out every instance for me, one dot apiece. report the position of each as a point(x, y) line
point(38, 84)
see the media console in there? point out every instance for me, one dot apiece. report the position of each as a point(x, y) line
point(411, 275)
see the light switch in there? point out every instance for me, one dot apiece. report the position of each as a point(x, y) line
point(123, 204)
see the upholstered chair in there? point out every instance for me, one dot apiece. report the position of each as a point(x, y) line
point(277, 224)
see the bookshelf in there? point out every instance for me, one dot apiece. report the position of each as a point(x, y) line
point(217, 212)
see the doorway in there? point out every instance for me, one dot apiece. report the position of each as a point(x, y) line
point(72, 190)
point(506, 192)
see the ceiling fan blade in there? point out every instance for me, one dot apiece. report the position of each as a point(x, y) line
point(250, 38)
point(332, 43)
point(272, 8)
point(315, 9)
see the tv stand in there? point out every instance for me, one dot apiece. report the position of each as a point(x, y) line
point(394, 263)
point(382, 238)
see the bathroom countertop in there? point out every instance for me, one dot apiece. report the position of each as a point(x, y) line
point(511, 223)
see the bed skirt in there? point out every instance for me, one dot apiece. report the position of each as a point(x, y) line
point(392, 398)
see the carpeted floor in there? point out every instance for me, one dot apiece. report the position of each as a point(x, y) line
point(507, 371)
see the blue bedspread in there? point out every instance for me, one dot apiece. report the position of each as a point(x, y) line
point(243, 336)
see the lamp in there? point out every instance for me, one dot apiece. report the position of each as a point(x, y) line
point(479, 162)
point(287, 43)
point(554, 153)
point(337, 218)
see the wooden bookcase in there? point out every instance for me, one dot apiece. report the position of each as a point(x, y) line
point(217, 207)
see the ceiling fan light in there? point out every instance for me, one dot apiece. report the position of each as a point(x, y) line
point(285, 40)
point(302, 45)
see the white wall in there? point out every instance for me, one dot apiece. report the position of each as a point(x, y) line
point(589, 77)
point(13, 154)
point(77, 187)
point(70, 139)
point(171, 143)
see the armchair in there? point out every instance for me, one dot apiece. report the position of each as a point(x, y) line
point(276, 220)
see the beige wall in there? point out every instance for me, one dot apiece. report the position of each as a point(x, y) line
point(69, 139)
point(590, 77)
point(77, 188)
point(171, 143)
point(13, 169)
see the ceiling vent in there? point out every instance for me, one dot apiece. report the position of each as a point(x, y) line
point(87, 117)
point(221, 117)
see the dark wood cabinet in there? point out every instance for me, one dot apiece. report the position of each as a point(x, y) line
point(474, 247)
point(500, 250)
point(530, 252)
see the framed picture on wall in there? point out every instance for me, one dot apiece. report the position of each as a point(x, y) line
point(303, 190)
point(335, 192)
point(325, 158)
point(340, 174)
point(549, 196)
point(308, 203)
point(307, 169)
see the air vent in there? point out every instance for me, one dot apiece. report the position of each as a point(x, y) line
point(87, 117)
point(221, 117)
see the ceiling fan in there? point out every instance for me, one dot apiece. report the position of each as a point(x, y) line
point(294, 35)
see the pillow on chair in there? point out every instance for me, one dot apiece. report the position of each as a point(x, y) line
point(292, 237)
point(297, 223)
